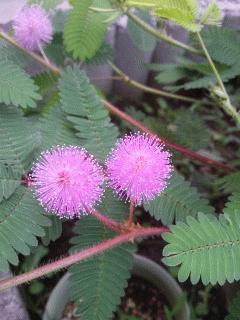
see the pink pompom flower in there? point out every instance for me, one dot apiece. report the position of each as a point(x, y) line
point(138, 168)
point(67, 181)
point(33, 27)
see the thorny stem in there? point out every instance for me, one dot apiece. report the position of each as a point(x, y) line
point(158, 92)
point(226, 105)
point(79, 256)
point(122, 115)
point(159, 35)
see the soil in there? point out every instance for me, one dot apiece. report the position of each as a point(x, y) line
point(142, 300)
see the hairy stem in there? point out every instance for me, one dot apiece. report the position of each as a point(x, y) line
point(131, 214)
point(79, 256)
point(158, 92)
point(112, 109)
point(226, 104)
point(184, 151)
point(107, 222)
point(34, 56)
point(159, 35)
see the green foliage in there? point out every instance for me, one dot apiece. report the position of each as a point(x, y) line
point(18, 143)
point(212, 15)
point(46, 4)
point(223, 45)
point(234, 309)
point(206, 248)
point(56, 130)
point(102, 56)
point(178, 201)
point(54, 232)
point(97, 284)
point(16, 87)
point(85, 29)
point(9, 53)
point(21, 222)
point(233, 204)
point(183, 12)
point(229, 183)
point(190, 130)
point(141, 38)
point(85, 110)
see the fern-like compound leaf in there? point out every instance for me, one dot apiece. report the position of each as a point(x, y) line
point(178, 201)
point(223, 45)
point(182, 12)
point(96, 285)
point(212, 15)
point(56, 130)
point(85, 29)
point(85, 110)
point(16, 87)
point(18, 144)
point(21, 222)
point(206, 248)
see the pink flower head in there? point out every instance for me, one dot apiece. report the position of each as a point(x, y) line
point(67, 181)
point(33, 27)
point(139, 168)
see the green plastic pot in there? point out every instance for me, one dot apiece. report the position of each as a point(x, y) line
point(143, 268)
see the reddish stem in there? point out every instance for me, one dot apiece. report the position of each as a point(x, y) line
point(107, 222)
point(131, 213)
point(79, 256)
point(184, 151)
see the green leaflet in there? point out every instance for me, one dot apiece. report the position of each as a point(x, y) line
point(85, 110)
point(18, 143)
point(182, 12)
point(56, 130)
point(178, 201)
point(16, 87)
point(229, 183)
point(223, 45)
point(21, 222)
point(206, 248)
point(54, 232)
point(97, 284)
point(85, 29)
point(46, 4)
point(190, 130)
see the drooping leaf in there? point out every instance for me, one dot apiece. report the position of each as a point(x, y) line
point(178, 201)
point(206, 248)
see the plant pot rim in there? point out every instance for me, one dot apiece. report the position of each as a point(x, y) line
point(142, 267)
